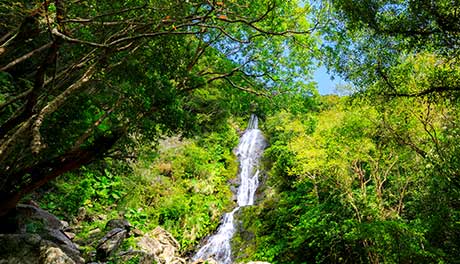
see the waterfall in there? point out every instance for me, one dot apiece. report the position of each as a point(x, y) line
point(249, 151)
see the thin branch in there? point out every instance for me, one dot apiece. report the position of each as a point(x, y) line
point(73, 40)
point(102, 23)
point(406, 142)
point(268, 32)
point(76, 20)
point(224, 75)
point(264, 15)
point(432, 90)
point(4, 37)
point(248, 90)
point(25, 56)
point(200, 51)
point(153, 34)
point(221, 29)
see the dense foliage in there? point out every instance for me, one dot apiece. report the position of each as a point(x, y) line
point(181, 186)
point(346, 185)
point(372, 178)
point(80, 78)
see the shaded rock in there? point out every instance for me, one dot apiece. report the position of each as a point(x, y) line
point(70, 235)
point(142, 256)
point(94, 232)
point(19, 248)
point(35, 233)
point(33, 249)
point(65, 225)
point(58, 237)
point(110, 243)
point(81, 215)
point(118, 223)
point(26, 214)
point(234, 181)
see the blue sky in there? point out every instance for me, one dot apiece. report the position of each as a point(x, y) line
point(325, 84)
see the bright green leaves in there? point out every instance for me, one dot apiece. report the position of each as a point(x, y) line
point(51, 8)
point(88, 188)
point(371, 43)
point(348, 184)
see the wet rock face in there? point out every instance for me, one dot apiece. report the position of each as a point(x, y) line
point(32, 235)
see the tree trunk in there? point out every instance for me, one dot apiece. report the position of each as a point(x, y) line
point(43, 172)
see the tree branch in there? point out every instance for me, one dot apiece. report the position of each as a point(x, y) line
point(36, 144)
point(434, 89)
point(248, 90)
point(73, 40)
point(25, 57)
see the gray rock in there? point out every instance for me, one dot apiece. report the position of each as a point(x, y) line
point(110, 243)
point(26, 214)
point(137, 232)
point(118, 223)
point(37, 235)
point(70, 235)
point(161, 247)
point(94, 232)
point(19, 248)
point(33, 249)
point(54, 255)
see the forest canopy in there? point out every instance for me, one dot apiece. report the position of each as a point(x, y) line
point(80, 78)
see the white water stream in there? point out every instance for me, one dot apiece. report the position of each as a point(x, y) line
point(249, 151)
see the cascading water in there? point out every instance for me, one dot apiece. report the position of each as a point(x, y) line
point(249, 151)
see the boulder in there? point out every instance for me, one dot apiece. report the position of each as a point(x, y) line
point(118, 223)
point(27, 214)
point(161, 247)
point(110, 243)
point(19, 248)
point(33, 249)
point(51, 254)
point(32, 235)
point(138, 233)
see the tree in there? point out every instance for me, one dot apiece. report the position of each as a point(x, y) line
point(78, 78)
point(368, 38)
point(402, 57)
